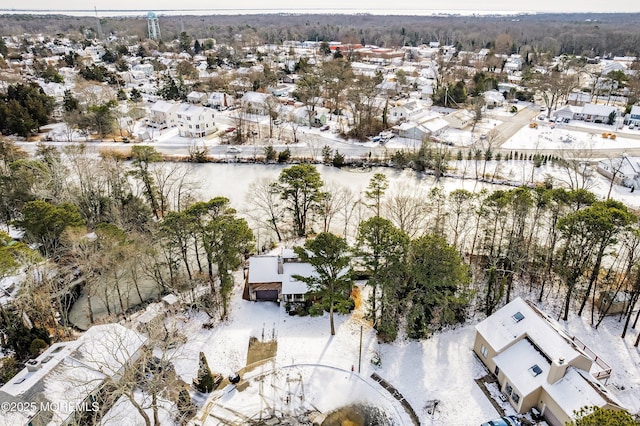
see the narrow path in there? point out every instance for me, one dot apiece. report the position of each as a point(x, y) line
point(397, 395)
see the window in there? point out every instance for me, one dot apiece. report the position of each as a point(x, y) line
point(496, 371)
point(508, 389)
point(518, 316)
point(535, 370)
point(484, 351)
point(515, 398)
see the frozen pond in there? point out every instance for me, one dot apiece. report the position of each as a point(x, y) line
point(233, 180)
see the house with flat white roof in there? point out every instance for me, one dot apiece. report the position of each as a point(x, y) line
point(539, 366)
point(270, 278)
point(61, 384)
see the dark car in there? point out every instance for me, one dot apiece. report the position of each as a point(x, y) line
point(503, 421)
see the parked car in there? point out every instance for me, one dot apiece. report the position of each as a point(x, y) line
point(324, 128)
point(234, 150)
point(503, 421)
point(230, 129)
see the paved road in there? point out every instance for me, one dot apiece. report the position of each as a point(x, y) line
point(508, 128)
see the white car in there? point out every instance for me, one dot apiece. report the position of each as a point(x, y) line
point(234, 150)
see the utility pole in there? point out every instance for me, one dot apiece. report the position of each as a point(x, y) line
point(99, 25)
point(360, 352)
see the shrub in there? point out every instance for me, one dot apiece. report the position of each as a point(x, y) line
point(316, 310)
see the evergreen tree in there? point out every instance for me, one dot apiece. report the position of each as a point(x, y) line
point(329, 256)
point(204, 382)
point(596, 416)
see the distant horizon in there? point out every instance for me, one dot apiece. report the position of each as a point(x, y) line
point(115, 12)
point(399, 7)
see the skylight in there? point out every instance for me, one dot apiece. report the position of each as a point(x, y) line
point(518, 316)
point(535, 370)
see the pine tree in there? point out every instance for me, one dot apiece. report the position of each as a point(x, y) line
point(186, 408)
point(204, 382)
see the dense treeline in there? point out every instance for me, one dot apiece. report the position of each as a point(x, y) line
point(107, 225)
point(589, 34)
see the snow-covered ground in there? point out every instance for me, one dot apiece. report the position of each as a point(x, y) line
point(311, 362)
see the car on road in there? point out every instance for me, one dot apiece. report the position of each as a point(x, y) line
point(503, 421)
point(230, 129)
point(234, 150)
point(324, 128)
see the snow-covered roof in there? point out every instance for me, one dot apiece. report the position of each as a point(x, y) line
point(190, 110)
point(163, 106)
point(108, 347)
point(255, 97)
point(595, 109)
point(289, 284)
point(576, 389)
point(67, 372)
point(264, 269)
point(517, 363)
point(435, 124)
point(518, 319)
point(276, 269)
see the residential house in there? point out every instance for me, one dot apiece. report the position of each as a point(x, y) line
point(196, 98)
point(430, 126)
point(623, 170)
point(256, 102)
point(634, 116)
point(163, 115)
point(566, 113)
point(514, 63)
point(579, 98)
point(493, 98)
point(145, 69)
point(195, 121)
point(539, 366)
point(613, 302)
point(62, 383)
point(219, 100)
point(270, 278)
point(596, 113)
point(459, 119)
point(318, 116)
point(282, 90)
point(408, 111)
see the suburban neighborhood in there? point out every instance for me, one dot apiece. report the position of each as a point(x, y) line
point(240, 226)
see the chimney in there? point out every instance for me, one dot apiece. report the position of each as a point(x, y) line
point(32, 365)
point(280, 267)
point(557, 370)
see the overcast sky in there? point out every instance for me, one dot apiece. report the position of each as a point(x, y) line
point(364, 5)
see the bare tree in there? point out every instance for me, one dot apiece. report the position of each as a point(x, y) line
point(267, 205)
point(405, 207)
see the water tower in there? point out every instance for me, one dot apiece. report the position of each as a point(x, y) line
point(153, 26)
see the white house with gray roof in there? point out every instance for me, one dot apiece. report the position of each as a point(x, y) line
point(539, 366)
